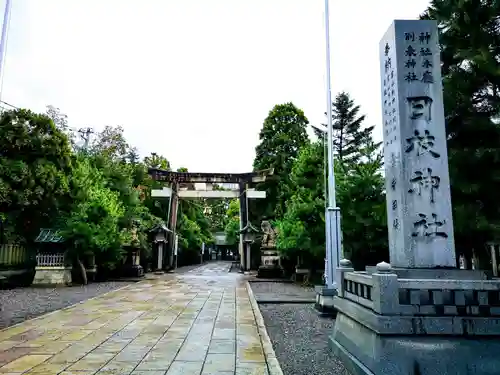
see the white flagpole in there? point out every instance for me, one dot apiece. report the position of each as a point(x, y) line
point(332, 214)
point(3, 41)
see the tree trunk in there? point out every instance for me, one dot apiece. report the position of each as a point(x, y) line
point(82, 270)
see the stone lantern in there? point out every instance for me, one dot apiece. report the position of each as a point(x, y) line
point(249, 233)
point(132, 266)
point(160, 238)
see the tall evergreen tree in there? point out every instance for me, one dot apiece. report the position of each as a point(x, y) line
point(301, 231)
point(281, 137)
point(349, 135)
point(470, 53)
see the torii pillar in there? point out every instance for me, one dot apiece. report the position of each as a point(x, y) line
point(244, 249)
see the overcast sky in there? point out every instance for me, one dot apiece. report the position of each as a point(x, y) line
point(193, 80)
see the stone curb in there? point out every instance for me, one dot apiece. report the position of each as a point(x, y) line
point(272, 362)
point(67, 307)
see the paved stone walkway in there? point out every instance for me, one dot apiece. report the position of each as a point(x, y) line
point(202, 322)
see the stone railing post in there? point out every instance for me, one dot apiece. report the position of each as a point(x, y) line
point(345, 266)
point(385, 291)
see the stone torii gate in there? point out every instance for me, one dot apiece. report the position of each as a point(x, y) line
point(182, 185)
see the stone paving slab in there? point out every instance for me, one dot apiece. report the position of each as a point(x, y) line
point(199, 323)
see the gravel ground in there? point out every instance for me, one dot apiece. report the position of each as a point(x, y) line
point(21, 304)
point(300, 339)
point(264, 290)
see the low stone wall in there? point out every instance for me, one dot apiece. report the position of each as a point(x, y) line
point(53, 276)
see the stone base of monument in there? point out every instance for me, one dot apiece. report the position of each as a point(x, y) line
point(388, 325)
point(133, 270)
point(324, 301)
point(270, 272)
point(270, 265)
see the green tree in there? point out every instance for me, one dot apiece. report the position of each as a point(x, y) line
point(232, 226)
point(281, 137)
point(118, 162)
point(361, 198)
point(144, 182)
point(349, 135)
point(92, 226)
point(470, 52)
point(157, 161)
point(193, 226)
point(216, 211)
point(111, 142)
point(302, 229)
point(34, 168)
point(60, 120)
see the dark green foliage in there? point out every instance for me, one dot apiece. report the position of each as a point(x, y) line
point(99, 199)
point(359, 192)
point(232, 226)
point(281, 137)
point(35, 164)
point(302, 229)
point(216, 212)
point(361, 198)
point(470, 52)
point(349, 135)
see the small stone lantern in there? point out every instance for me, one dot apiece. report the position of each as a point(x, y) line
point(249, 233)
point(160, 238)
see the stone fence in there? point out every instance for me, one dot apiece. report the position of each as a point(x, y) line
point(385, 294)
point(50, 260)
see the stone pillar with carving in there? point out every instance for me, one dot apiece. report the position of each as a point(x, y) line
point(416, 158)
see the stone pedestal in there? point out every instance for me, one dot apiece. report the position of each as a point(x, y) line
point(324, 301)
point(60, 276)
point(270, 265)
point(387, 325)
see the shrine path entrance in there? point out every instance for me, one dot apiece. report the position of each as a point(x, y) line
point(205, 321)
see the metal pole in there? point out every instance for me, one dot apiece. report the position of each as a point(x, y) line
point(332, 214)
point(331, 175)
point(325, 186)
point(3, 39)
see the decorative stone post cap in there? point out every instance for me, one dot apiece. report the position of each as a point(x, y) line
point(345, 263)
point(384, 267)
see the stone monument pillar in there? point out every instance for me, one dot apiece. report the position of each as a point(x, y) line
point(416, 158)
point(419, 315)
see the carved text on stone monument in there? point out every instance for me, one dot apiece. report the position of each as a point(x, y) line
point(413, 54)
point(422, 143)
point(429, 227)
point(424, 180)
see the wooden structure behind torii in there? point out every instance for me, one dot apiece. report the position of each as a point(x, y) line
point(188, 179)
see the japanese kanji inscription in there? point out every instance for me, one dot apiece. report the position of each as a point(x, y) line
point(419, 215)
point(418, 55)
point(389, 97)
